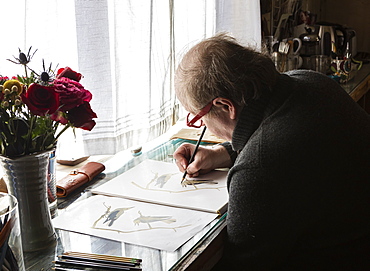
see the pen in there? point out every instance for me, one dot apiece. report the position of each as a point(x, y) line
point(195, 151)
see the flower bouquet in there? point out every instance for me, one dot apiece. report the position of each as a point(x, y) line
point(34, 106)
point(35, 110)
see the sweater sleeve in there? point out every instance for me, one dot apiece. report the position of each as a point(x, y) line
point(233, 154)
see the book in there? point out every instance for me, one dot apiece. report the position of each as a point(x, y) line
point(159, 182)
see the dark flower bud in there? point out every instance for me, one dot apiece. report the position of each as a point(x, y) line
point(23, 58)
point(44, 77)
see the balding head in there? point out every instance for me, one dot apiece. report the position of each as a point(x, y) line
point(220, 67)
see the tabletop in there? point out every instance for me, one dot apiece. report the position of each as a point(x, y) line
point(359, 85)
point(153, 259)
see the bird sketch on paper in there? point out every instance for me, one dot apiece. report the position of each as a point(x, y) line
point(152, 219)
point(109, 216)
point(115, 214)
point(160, 182)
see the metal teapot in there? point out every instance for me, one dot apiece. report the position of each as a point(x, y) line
point(329, 44)
point(310, 42)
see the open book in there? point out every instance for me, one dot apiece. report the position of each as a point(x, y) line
point(160, 183)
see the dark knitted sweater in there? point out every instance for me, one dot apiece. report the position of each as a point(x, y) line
point(299, 190)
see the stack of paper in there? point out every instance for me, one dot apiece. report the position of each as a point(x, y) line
point(148, 202)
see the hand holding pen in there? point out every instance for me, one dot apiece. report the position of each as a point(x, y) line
point(194, 153)
point(206, 158)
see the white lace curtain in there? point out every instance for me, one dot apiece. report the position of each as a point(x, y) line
point(127, 51)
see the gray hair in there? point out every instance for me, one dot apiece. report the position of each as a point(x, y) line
point(221, 67)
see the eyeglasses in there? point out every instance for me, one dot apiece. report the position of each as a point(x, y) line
point(196, 121)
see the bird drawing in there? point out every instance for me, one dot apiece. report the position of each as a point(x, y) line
point(162, 180)
point(151, 219)
point(115, 214)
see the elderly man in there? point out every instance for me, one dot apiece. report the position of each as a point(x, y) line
point(299, 158)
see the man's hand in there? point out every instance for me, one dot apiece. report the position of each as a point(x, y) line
point(205, 160)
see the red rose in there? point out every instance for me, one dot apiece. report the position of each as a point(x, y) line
point(82, 116)
point(69, 73)
point(41, 100)
point(71, 93)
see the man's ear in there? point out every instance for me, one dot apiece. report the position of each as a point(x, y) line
point(226, 106)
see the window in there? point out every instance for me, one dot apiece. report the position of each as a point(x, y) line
point(127, 51)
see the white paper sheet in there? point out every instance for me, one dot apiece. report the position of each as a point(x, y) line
point(160, 182)
point(135, 222)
